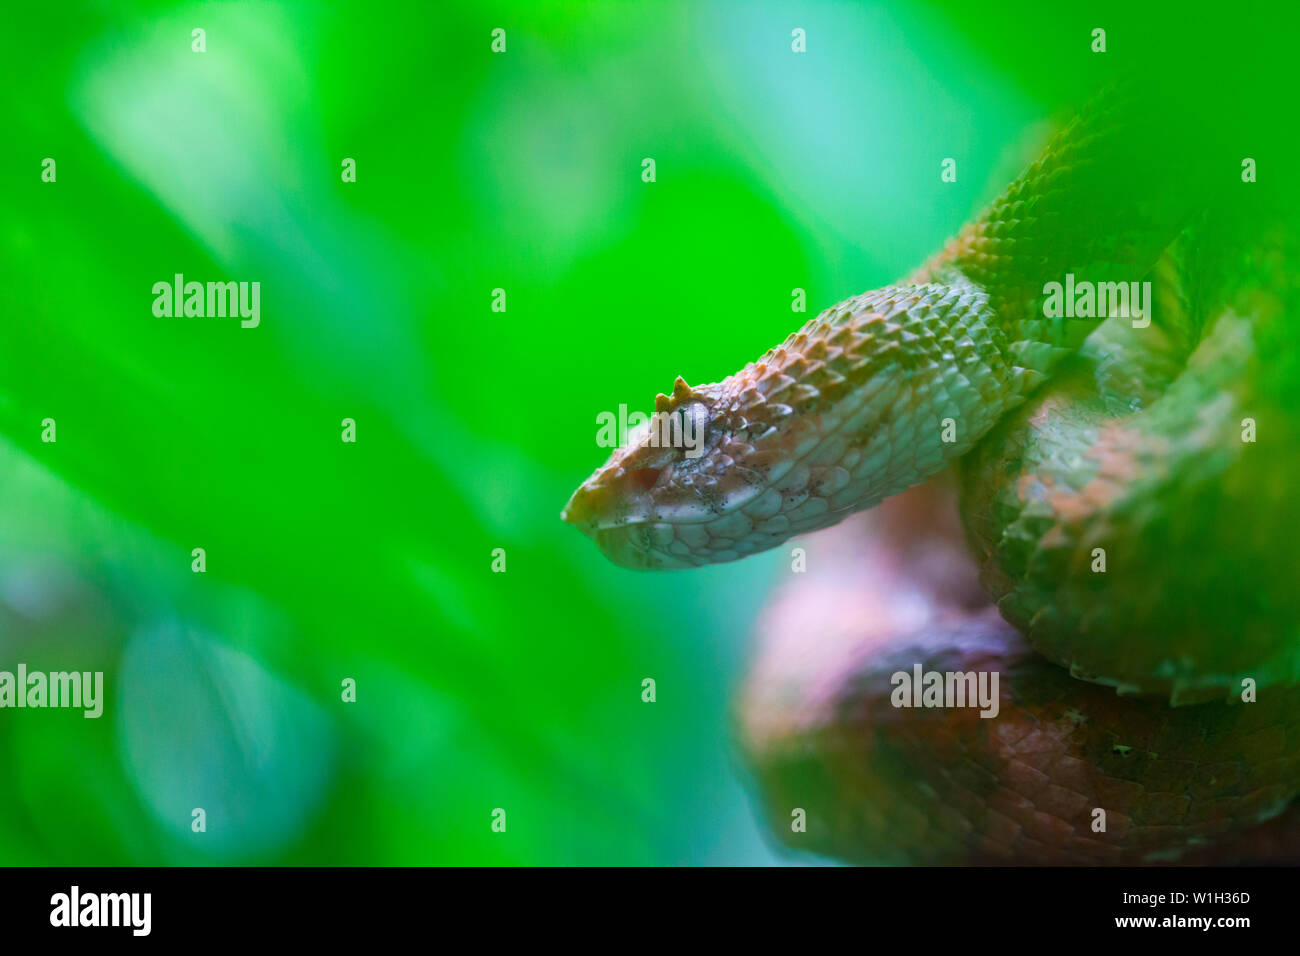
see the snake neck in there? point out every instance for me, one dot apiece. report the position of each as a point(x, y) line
point(881, 391)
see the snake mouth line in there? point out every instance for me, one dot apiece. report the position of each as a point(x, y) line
point(620, 544)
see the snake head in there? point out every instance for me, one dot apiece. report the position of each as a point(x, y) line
point(668, 474)
point(860, 404)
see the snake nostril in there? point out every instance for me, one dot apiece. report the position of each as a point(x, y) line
point(643, 479)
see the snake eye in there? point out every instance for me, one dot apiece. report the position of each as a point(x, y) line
point(689, 428)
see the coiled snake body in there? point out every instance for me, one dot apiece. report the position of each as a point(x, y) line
point(1126, 489)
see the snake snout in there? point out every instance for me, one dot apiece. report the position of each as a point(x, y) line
point(586, 505)
point(614, 496)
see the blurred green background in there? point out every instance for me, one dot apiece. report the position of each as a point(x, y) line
point(475, 170)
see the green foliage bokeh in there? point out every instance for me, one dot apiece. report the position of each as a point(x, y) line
point(371, 560)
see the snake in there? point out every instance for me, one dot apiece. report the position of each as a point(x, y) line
point(1094, 501)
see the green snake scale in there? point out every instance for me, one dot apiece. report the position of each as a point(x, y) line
point(1126, 491)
